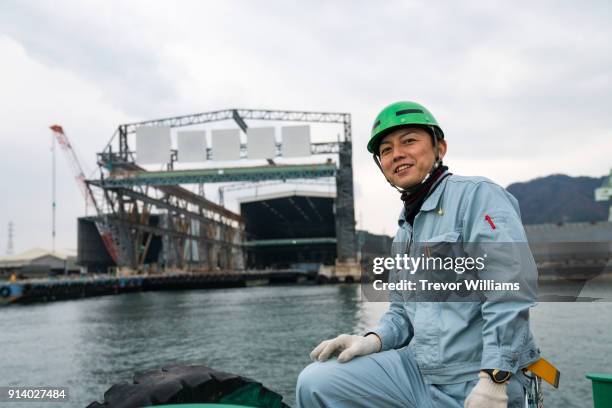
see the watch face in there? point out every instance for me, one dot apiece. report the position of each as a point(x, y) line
point(499, 376)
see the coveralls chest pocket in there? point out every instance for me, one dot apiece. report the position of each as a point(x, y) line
point(449, 265)
point(436, 275)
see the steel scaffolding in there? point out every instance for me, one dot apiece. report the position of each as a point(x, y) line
point(141, 206)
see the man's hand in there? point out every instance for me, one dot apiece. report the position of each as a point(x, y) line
point(487, 394)
point(349, 345)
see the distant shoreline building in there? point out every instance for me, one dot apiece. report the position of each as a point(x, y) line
point(38, 263)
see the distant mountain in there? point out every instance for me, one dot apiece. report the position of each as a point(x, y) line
point(560, 198)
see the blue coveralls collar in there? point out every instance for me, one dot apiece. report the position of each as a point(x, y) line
point(430, 202)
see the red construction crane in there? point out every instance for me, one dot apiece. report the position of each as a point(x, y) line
point(105, 233)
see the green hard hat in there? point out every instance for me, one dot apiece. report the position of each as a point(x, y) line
point(401, 114)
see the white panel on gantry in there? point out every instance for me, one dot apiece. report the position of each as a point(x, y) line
point(191, 146)
point(296, 141)
point(226, 144)
point(261, 143)
point(152, 144)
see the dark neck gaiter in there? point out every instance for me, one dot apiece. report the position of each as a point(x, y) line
point(414, 199)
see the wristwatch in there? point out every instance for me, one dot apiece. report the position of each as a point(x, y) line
point(498, 376)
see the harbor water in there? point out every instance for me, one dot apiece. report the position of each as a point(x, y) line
point(264, 333)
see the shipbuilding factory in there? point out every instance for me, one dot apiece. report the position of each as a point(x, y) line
point(152, 214)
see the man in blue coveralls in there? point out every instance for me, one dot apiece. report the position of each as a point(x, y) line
point(433, 354)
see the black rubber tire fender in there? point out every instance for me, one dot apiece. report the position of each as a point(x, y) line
point(183, 384)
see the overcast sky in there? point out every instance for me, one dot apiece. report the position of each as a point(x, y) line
point(522, 90)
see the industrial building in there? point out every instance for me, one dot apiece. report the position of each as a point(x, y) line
point(38, 263)
point(152, 216)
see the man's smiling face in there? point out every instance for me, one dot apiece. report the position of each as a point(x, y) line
point(407, 155)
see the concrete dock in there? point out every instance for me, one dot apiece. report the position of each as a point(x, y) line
point(43, 290)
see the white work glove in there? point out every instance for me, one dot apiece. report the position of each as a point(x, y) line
point(487, 394)
point(349, 345)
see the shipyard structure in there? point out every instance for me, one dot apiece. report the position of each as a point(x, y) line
point(152, 215)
